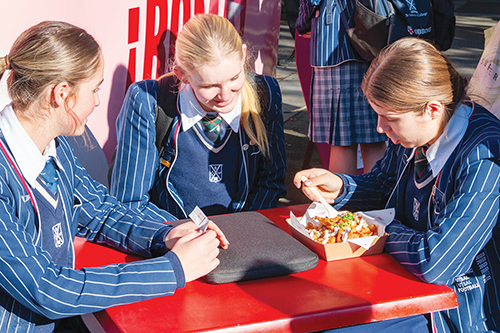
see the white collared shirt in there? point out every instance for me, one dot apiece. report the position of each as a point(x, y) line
point(192, 112)
point(439, 152)
point(26, 154)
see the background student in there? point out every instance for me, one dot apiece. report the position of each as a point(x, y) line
point(441, 173)
point(225, 151)
point(340, 115)
point(53, 73)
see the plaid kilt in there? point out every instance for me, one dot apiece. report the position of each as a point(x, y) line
point(340, 114)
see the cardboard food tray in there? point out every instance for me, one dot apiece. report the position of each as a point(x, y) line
point(337, 251)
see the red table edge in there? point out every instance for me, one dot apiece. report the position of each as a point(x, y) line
point(304, 323)
point(323, 320)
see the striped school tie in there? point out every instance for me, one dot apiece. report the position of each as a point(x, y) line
point(421, 162)
point(49, 175)
point(211, 123)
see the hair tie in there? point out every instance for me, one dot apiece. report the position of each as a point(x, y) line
point(7, 62)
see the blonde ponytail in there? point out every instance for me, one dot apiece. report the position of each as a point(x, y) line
point(251, 109)
point(4, 64)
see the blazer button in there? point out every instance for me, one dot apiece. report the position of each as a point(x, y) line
point(245, 146)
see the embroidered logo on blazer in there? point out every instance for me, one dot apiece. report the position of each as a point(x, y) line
point(215, 173)
point(416, 209)
point(58, 235)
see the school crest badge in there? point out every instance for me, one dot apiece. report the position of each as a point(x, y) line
point(215, 173)
point(58, 235)
point(416, 209)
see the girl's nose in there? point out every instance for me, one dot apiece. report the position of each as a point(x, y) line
point(382, 125)
point(225, 93)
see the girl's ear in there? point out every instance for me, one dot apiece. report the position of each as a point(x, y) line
point(181, 75)
point(59, 94)
point(434, 109)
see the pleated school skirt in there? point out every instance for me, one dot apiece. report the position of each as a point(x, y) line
point(340, 114)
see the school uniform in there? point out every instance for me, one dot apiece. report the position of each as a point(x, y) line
point(229, 176)
point(38, 283)
point(445, 230)
point(340, 114)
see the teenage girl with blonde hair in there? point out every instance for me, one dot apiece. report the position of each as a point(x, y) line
point(235, 163)
point(441, 173)
point(52, 75)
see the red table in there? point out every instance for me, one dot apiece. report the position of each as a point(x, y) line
point(334, 294)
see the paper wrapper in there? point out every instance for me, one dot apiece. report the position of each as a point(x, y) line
point(353, 247)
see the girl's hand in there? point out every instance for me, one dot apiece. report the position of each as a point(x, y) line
point(183, 229)
point(328, 184)
point(197, 253)
point(224, 243)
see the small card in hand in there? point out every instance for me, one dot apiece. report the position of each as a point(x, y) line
point(199, 218)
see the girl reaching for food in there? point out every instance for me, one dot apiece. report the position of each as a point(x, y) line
point(441, 173)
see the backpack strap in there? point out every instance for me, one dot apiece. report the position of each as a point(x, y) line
point(166, 109)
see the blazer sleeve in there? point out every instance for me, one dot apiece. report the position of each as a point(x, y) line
point(371, 191)
point(269, 181)
point(136, 160)
point(306, 12)
point(28, 274)
point(462, 227)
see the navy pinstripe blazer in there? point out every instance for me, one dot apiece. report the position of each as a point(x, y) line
point(460, 247)
point(330, 44)
point(32, 286)
point(140, 180)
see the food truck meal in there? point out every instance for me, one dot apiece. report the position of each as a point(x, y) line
point(340, 228)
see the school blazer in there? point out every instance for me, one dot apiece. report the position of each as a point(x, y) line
point(327, 21)
point(460, 247)
point(140, 180)
point(31, 286)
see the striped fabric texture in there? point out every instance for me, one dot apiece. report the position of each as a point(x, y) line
point(340, 114)
point(32, 286)
point(329, 41)
point(421, 163)
point(140, 180)
point(459, 247)
point(211, 123)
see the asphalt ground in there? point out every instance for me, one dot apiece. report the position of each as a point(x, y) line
point(473, 17)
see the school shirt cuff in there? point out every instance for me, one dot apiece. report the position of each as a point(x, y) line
point(177, 268)
point(158, 246)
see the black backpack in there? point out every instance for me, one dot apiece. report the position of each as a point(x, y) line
point(378, 23)
point(444, 23)
point(437, 26)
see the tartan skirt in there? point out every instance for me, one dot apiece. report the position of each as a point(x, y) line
point(340, 115)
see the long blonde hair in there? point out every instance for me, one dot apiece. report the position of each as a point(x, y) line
point(46, 54)
point(411, 72)
point(206, 38)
